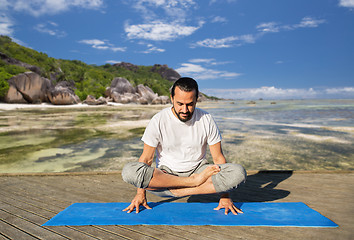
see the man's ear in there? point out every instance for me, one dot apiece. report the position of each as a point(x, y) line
point(171, 98)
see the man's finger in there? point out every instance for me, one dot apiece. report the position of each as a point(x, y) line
point(146, 206)
point(238, 210)
point(233, 210)
point(226, 211)
point(127, 208)
point(217, 208)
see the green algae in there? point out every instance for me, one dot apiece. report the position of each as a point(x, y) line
point(61, 139)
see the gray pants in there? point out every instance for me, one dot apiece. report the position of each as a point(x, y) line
point(229, 178)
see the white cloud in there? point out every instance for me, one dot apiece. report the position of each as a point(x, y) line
point(202, 60)
point(44, 28)
point(219, 19)
point(6, 25)
point(342, 91)
point(200, 72)
point(153, 49)
point(280, 93)
point(308, 22)
point(209, 61)
point(42, 7)
point(102, 45)
point(217, 43)
point(163, 20)
point(158, 31)
point(268, 27)
point(346, 3)
point(113, 61)
point(173, 10)
point(225, 42)
point(262, 28)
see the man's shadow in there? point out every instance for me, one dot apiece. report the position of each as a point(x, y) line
point(259, 187)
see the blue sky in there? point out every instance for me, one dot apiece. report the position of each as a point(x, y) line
point(234, 48)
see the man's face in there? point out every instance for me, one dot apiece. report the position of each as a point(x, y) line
point(184, 104)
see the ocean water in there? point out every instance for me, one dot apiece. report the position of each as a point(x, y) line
point(267, 135)
point(288, 134)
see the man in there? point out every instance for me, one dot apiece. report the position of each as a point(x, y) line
point(180, 135)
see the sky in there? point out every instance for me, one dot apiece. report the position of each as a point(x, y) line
point(239, 49)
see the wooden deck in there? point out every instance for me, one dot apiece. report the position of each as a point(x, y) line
point(28, 201)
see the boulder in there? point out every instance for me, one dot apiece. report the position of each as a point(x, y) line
point(129, 98)
point(161, 100)
point(62, 96)
point(165, 99)
point(146, 93)
point(166, 72)
point(128, 66)
point(143, 101)
point(91, 100)
point(122, 85)
point(121, 91)
point(28, 87)
point(202, 97)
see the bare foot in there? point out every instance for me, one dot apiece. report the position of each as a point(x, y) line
point(200, 178)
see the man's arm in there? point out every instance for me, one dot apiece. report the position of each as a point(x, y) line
point(140, 198)
point(225, 200)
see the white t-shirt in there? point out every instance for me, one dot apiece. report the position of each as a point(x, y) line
point(181, 146)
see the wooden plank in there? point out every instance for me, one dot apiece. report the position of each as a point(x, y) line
point(126, 232)
point(86, 232)
point(9, 231)
point(28, 227)
point(112, 232)
point(50, 210)
point(39, 220)
point(155, 231)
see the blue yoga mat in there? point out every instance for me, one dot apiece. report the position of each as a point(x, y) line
point(255, 214)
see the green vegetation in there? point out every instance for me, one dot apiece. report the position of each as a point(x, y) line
point(88, 79)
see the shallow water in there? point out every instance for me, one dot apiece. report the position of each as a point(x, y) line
point(295, 135)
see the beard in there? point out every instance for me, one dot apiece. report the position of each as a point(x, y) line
point(187, 116)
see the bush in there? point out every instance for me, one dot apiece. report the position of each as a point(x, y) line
point(4, 85)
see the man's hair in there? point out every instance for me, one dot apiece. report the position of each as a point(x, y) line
point(186, 84)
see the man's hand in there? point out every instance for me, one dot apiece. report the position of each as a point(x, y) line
point(139, 199)
point(226, 202)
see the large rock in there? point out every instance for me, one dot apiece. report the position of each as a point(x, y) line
point(128, 66)
point(28, 87)
point(166, 72)
point(146, 92)
point(121, 91)
point(122, 85)
point(91, 100)
point(60, 95)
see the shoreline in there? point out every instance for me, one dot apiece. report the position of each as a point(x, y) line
point(16, 106)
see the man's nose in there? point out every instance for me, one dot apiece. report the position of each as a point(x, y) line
point(185, 109)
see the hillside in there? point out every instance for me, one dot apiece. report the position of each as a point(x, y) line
point(85, 79)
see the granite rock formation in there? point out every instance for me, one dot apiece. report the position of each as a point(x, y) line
point(166, 72)
point(121, 91)
point(28, 87)
point(61, 95)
